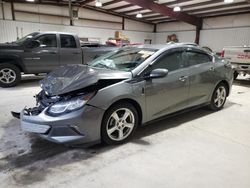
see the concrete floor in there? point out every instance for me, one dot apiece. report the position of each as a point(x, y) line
point(196, 149)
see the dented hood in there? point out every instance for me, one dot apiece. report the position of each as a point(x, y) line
point(74, 77)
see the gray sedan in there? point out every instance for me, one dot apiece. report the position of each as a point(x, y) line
point(113, 95)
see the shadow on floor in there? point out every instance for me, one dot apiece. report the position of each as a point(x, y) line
point(242, 81)
point(23, 150)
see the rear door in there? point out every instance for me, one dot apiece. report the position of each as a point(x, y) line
point(168, 94)
point(43, 58)
point(201, 76)
point(70, 50)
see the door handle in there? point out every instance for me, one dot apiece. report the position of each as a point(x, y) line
point(212, 69)
point(183, 78)
point(246, 50)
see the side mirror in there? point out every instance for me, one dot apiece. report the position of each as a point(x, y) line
point(157, 73)
point(34, 44)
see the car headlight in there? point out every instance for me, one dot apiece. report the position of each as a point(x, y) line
point(69, 105)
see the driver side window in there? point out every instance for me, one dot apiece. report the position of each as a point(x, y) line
point(47, 40)
point(171, 62)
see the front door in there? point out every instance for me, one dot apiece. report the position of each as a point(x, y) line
point(168, 94)
point(44, 58)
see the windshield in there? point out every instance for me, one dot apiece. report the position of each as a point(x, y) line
point(125, 59)
point(29, 36)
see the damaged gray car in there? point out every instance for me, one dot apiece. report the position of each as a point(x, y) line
point(110, 97)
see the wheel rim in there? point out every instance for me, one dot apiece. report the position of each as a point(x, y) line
point(120, 124)
point(7, 75)
point(220, 96)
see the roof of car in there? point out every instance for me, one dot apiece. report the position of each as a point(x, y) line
point(55, 32)
point(169, 45)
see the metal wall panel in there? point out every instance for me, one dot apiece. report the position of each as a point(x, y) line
point(8, 31)
point(216, 39)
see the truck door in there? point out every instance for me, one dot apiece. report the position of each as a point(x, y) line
point(70, 51)
point(43, 58)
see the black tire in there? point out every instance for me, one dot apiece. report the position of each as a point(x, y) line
point(14, 71)
point(236, 74)
point(215, 106)
point(107, 119)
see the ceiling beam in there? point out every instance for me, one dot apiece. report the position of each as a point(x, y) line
point(121, 7)
point(233, 10)
point(217, 7)
point(202, 4)
point(87, 1)
point(166, 11)
point(134, 10)
point(175, 2)
point(111, 3)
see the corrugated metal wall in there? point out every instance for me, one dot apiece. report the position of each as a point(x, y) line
point(216, 39)
point(10, 30)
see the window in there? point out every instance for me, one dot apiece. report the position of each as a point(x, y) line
point(170, 61)
point(195, 58)
point(124, 59)
point(67, 41)
point(47, 40)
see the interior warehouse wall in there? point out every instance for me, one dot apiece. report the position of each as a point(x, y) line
point(30, 18)
point(226, 31)
point(217, 32)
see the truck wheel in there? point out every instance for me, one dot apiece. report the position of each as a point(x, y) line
point(235, 75)
point(10, 75)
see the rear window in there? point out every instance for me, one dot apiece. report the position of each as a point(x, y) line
point(67, 41)
point(195, 58)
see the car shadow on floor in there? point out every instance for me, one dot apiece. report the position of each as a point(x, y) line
point(21, 149)
point(36, 157)
point(242, 81)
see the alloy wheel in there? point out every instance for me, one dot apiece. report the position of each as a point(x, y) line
point(220, 96)
point(7, 75)
point(120, 124)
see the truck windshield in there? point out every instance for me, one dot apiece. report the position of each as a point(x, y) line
point(125, 59)
point(27, 37)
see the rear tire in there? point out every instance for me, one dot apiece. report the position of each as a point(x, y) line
point(119, 123)
point(10, 75)
point(219, 97)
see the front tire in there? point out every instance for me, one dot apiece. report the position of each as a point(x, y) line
point(219, 97)
point(119, 123)
point(10, 75)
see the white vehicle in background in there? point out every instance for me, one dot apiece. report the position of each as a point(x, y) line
point(239, 56)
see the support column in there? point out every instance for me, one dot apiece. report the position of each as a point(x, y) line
point(123, 23)
point(198, 30)
point(70, 13)
point(13, 11)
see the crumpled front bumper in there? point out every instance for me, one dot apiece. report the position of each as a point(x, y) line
point(77, 127)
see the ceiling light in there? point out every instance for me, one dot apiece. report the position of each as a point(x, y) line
point(139, 15)
point(228, 1)
point(177, 9)
point(98, 3)
point(30, 0)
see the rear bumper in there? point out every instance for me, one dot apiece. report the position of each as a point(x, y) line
point(77, 127)
point(241, 68)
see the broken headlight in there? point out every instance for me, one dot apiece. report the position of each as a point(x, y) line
point(69, 105)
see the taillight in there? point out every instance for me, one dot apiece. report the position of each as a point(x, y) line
point(222, 53)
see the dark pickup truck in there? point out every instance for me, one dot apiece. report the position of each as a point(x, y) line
point(41, 52)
